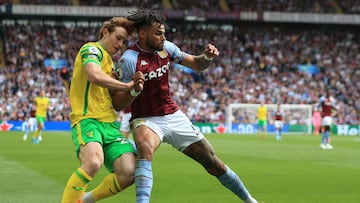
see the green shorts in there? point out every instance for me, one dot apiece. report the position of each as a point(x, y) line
point(107, 134)
point(40, 119)
point(262, 123)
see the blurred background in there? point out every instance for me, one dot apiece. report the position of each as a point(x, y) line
point(272, 50)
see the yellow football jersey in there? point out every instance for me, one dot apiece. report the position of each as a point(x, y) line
point(262, 111)
point(42, 104)
point(89, 100)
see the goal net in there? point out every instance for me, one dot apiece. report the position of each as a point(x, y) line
point(242, 118)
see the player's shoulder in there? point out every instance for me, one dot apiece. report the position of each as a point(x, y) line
point(170, 46)
point(129, 54)
point(90, 45)
point(128, 58)
point(322, 98)
point(91, 48)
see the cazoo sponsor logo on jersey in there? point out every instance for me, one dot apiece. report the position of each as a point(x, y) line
point(159, 72)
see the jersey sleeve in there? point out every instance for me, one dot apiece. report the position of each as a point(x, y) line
point(333, 103)
point(125, 67)
point(90, 53)
point(321, 100)
point(175, 52)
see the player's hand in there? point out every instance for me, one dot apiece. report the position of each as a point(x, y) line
point(211, 51)
point(139, 80)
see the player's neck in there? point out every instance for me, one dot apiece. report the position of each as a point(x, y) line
point(144, 47)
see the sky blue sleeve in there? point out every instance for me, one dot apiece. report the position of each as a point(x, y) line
point(125, 67)
point(321, 100)
point(175, 52)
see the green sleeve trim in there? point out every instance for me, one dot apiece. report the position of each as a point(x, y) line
point(92, 53)
point(86, 61)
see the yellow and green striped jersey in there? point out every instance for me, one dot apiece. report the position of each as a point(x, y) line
point(42, 104)
point(89, 100)
point(262, 111)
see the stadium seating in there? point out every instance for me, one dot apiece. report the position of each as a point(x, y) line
point(308, 6)
point(256, 62)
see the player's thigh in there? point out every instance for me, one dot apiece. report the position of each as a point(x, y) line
point(87, 138)
point(40, 121)
point(114, 144)
point(181, 132)
point(125, 124)
point(148, 133)
point(278, 124)
point(91, 153)
point(201, 151)
point(327, 121)
point(125, 164)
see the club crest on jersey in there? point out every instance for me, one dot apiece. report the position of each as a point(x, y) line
point(93, 50)
point(163, 54)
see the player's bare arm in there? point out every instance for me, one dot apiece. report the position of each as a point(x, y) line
point(122, 99)
point(139, 80)
point(203, 61)
point(97, 76)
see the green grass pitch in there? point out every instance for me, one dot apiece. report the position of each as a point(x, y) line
point(294, 170)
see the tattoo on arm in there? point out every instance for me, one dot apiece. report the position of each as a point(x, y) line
point(203, 62)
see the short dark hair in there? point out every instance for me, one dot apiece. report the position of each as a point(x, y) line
point(145, 17)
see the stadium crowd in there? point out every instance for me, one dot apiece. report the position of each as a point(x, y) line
point(309, 6)
point(261, 63)
point(256, 63)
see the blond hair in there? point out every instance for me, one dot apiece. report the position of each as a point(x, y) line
point(117, 22)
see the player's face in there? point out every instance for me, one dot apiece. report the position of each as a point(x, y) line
point(155, 37)
point(115, 40)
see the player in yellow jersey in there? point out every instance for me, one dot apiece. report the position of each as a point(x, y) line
point(42, 104)
point(262, 121)
point(95, 131)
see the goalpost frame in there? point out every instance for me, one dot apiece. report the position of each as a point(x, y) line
point(230, 107)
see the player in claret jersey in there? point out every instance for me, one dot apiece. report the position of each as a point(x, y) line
point(278, 115)
point(155, 116)
point(326, 105)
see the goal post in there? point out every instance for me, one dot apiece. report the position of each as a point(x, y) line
point(242, 118)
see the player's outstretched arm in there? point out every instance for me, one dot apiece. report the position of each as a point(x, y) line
point(97, 76)
point(122, 99)
point(203, 61)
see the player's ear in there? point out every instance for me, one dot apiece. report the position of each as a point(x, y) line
point(142, 33)
point(105, 32)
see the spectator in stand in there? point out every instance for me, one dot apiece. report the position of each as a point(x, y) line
point(255, 58)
